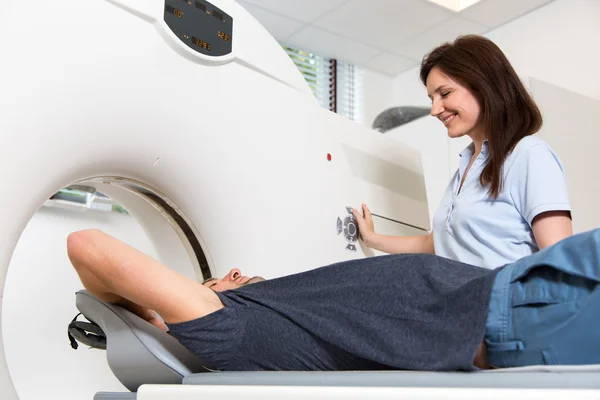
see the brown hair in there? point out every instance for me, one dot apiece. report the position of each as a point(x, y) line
point(508, 112)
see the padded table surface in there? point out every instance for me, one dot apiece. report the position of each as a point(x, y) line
point(542, 378)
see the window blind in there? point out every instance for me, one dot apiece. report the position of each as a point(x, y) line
point(350, 91)
point(336, 85)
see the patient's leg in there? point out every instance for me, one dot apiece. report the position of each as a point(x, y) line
point(117, 273)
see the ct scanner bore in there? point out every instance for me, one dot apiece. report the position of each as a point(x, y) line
point(40, 286)
point(163, 221)
point(107, 89)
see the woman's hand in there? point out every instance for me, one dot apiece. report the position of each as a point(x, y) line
point(390, 244)
point(365, 224)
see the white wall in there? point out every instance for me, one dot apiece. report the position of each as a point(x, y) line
point(555, 43)
point(378, 92)
point(39, 303)
point(558, 44)
point(428, 136)
point(568, 115)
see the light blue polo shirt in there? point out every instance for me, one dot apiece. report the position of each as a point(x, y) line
point(473, 228)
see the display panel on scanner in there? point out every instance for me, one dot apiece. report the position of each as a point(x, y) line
point(200, 25)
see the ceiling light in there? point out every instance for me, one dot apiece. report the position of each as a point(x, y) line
point(455, 5)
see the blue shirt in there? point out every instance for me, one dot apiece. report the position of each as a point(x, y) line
point(473, 228)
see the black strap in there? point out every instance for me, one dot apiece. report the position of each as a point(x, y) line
point(87, 333)
point(74, 344)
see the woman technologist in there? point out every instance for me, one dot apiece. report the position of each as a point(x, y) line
point(508, 198)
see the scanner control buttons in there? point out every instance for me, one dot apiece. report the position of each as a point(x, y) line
point(349, 227)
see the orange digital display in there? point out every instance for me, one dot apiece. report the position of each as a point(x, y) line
point(225, 36)
point(196, 22)
point(200, 43)
point(174, 11)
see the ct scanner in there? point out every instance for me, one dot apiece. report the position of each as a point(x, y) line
point(186, 113)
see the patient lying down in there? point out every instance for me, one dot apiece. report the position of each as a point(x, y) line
point(410, 312)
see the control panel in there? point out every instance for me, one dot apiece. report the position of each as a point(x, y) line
point(200, 25)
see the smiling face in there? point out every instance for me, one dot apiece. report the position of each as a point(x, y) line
point(233, 280)
point(454, 105)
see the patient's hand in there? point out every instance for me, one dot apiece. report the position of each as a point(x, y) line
point(150, 316)
point(157, 322)
point(145, 313)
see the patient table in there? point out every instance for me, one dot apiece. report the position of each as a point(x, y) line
point(186, 113)
point(152, 364)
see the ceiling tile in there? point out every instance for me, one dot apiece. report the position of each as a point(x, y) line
point(279, 27)
point(383, 23)
point(300, 10)
point(417, 47)
point(330, 45)
point(492, 13)
point(391, 64)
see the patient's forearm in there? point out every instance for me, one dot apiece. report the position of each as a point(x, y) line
point(94, 285)
point(109, 267)
point(96, 288)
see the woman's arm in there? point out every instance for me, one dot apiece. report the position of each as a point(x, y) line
point(551, 227)
point(390, 244)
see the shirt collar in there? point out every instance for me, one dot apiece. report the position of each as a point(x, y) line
point(470, 149)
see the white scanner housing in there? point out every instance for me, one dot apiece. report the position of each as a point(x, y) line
point(222, 156)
